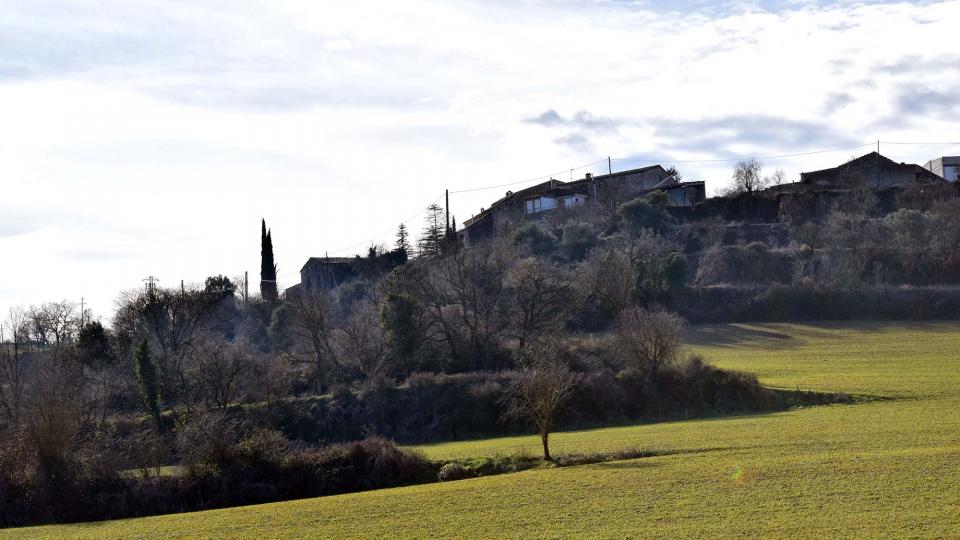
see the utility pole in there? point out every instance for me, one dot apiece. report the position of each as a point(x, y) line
point(446, 194)
point(182, 292)
point(609, 167)
point(246, 288)
point(878, 163)
point(151, 282)
point(81, 312)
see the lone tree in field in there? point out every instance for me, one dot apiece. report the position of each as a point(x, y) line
point(268, 270)
point(539, 393)
point(649, 339)
point(148, 379)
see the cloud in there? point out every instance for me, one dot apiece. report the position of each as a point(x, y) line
point(164, 129)
point(913, 101)
point(836, 101)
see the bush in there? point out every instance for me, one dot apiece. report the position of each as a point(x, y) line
point(640, 214)
point(577, 239)
point(453, 471)
point(533, 237)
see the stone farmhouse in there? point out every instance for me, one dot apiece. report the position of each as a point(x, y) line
point(872, 171)
point(534, 202)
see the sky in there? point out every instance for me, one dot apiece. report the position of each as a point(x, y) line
point(149, 138)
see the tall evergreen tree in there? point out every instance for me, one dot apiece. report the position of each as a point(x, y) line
point(148, 379)
point(268, 269)
point(431, 239)
point(403, 240)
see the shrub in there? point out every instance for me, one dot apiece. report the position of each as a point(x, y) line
point(453, 471)
point(577, 239)
point(533, 237)
point(640, 214)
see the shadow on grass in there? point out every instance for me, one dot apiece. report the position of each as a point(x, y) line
point(770, 335)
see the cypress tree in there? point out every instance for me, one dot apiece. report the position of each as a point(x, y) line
point(268, 270)
point(148, 379)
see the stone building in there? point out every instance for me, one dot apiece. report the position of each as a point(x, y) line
point(534, 202)
point(872, 170)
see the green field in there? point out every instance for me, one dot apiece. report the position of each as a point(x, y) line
point(877, 468)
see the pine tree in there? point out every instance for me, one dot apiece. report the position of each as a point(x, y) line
point(431, 239)
point(148, 379)
point(268, 270)
point(403, 242)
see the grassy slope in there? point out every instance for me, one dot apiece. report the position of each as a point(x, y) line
point(873, 469)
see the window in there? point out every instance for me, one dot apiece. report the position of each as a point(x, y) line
point(567, 201)
point(533, 206)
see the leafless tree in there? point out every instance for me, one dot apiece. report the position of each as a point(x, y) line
point(608, 277)
point(171, 320)
point(361, 341)
point(55, 416)
point(539, 391)
point(777, 179)
point(303, 329)
point(54, 324)
point(542, 294)
point(465, 302)
point(747, 178)
point(13, 364)
point(649, 339)
point(219, 370)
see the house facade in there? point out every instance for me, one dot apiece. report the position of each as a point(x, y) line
point(946, 167)
point(535, 202)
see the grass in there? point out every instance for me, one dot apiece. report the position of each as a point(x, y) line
point(875, 469)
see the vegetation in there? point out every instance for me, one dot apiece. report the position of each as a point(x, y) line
point(877, 468)
point(567, 322)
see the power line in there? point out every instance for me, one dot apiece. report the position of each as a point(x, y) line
point(551, 175)
point(379, 235)
point(924, 143)
point(724, 160)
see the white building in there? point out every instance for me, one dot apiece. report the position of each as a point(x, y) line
point(947, 167)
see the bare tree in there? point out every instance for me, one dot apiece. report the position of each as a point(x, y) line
point(649, 339)
point(777, 179)
point(219, 370)
point(361, 341)
point(609, 278)
point(171, 320)
point(303, 329)
point(13, 365)
point(542, 294)
point(747, 178)
point(464, 301)
point(539, 392)
point(54, 324)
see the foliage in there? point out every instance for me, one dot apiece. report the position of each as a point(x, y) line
point(148, 380)
point(534, 239)
point(810, 472)
point(268, 269)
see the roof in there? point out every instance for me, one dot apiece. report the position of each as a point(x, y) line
point(554, 185)
point(873, 159)
point(327, 260)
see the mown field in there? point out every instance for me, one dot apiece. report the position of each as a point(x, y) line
point(878, 468)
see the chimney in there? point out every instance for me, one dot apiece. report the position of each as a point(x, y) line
point(589, 177)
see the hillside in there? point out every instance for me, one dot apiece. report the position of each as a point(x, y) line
point(878, 468)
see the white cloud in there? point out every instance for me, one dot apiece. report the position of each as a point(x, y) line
point(163, 131)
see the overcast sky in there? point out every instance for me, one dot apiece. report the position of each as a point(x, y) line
point(149, 137)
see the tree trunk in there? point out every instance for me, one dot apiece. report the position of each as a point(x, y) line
point(546, 447)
